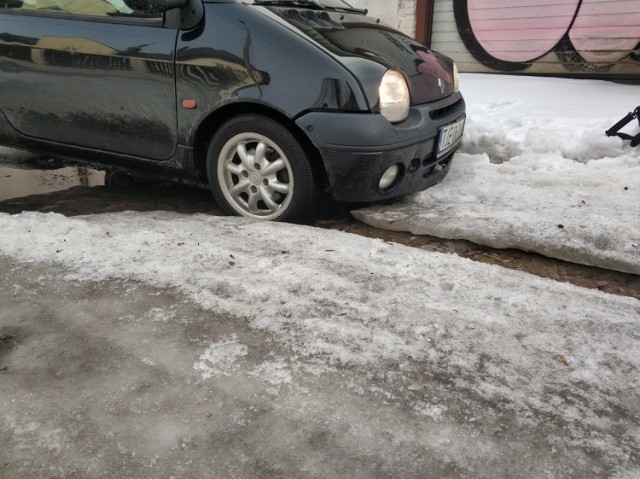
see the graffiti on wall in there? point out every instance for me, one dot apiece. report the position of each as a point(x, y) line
point(585, 35)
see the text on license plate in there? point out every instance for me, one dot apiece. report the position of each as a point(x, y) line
point(449, 135)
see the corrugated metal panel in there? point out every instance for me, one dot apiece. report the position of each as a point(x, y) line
point(591, 37)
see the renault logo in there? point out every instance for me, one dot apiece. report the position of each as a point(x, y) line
point(441, 85)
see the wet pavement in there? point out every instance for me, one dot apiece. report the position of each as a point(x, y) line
point(47, 185)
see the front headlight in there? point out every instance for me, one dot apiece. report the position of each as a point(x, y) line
point(456, 78)
point(394, 97)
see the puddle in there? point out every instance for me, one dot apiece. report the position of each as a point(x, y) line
point(16, 183)
point(23, 174)
point(33, 183)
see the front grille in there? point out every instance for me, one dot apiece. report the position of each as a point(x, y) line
point(442, 112)
point(432, 165)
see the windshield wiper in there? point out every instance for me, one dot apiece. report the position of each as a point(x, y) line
point(314, 4)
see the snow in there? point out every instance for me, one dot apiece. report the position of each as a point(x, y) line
point(456, 342)
point(536, 172)
point(220, 356)
point(452, 349)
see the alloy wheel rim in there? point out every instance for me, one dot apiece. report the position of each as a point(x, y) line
point(255, 176)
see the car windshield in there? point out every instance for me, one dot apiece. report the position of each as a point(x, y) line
point(330, 4)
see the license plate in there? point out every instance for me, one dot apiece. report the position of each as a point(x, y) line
point(450, 135)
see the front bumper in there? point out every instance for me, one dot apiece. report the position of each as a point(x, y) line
point(357, 148)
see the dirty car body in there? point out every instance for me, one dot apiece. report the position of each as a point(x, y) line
point(269, 103)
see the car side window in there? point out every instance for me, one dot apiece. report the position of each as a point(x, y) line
point(99, 8)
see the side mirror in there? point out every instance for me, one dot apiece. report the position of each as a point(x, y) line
point(155, 6)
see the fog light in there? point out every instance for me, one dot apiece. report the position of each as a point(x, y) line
point(389, 177)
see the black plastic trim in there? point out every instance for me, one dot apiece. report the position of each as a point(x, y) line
point(186, 18)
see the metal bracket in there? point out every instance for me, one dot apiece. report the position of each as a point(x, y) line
point(187, 17)
point(615, 129)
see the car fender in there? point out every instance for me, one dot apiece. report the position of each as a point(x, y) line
point(243, 56)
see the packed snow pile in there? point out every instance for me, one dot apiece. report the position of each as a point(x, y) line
point(536, 172)
point(340, 297)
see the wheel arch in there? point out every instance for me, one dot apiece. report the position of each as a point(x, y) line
point(210, 125)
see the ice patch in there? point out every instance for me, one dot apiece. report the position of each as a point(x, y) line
point(275, 372)
point(159, 314)
point(484, 337)
point(630, 474)
point(433, 411)
point(219, 357)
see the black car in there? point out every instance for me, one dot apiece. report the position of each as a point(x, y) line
point(268, 102)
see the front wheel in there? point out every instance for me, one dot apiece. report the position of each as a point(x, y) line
point(256, 168)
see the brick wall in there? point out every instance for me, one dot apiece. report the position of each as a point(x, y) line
point(400, 14)
point(407, 17)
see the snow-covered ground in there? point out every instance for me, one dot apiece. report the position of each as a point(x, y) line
point(536, 172)
point(480, 364)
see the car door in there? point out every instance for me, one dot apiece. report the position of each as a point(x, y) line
point(89, 73)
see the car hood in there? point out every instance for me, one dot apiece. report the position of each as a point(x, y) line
point(429, 74)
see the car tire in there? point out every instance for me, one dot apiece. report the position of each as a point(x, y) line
point(256, 168)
